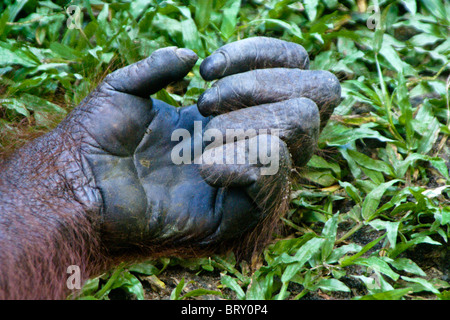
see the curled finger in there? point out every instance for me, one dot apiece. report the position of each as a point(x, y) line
point(253, 53)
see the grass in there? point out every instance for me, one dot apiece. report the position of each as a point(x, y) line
point(373, 205)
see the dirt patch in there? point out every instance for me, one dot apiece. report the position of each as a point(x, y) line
point(161, 288)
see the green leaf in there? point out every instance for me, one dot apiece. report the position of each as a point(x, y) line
point(424, 285)
point(375, 283)
point(445, 219)
point(311, 8)
point(423, 39)
point(15, 8)
point(189, 31)
point(444, 295)
point(364, 89)
point(321, 163)
point(369, 163)
point(390, 227)
point(405, 107)
point(331, 285)
point(42, 108)
point(352, 191)
point(410, 5)
point(87, 298)
point(102, 18)
point(145, 23)
point(290, 245)
point(339, 252)
point(208, 267)
point(229, 266)
point(301, 257)
point(203, 9)
point(378, 265)
point(441, 166)
point(329, 232)
point(192, 95)
point(4, 28)
point(229, 20)
point(321, 177)
point(400, 247)
point(144, 268)
point(437, 162)
point(427, 141)
point(392, 57)
point(176, 293)
point(351, 259)
point(64, 51)
point(395, 294)
point(166, 97)
point(89, 288)
point(233, 285)
point(380, 29)
point(15, 105)
point(289, 27)
point(340, 135)
point(260, 287)
point(373, 199)
point(10, 55)
point(436, 8)
point(407, 265)
point(200, 292)
point(129, 283)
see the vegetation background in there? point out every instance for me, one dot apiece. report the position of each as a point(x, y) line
point(370, 217)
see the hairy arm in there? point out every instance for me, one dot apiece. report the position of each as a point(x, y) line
point(44, 228)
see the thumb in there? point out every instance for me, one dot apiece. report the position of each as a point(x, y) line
point(152, 74)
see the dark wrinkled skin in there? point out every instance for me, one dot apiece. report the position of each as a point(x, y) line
point(300, 136)
point(116, 146)
point(252, 54)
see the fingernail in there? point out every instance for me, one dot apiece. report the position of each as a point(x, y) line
point(214, 66)
point(207, 102)
point(186, 55)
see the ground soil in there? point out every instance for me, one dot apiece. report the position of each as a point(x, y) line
point(434, 260)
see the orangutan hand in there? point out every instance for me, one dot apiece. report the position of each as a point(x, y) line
point(205, 174)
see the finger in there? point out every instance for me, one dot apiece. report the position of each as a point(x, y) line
point(250, 198)
point(253, 53)
point(295, 121)
point(257, 87)
point(260, 164)
point(150, 75)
